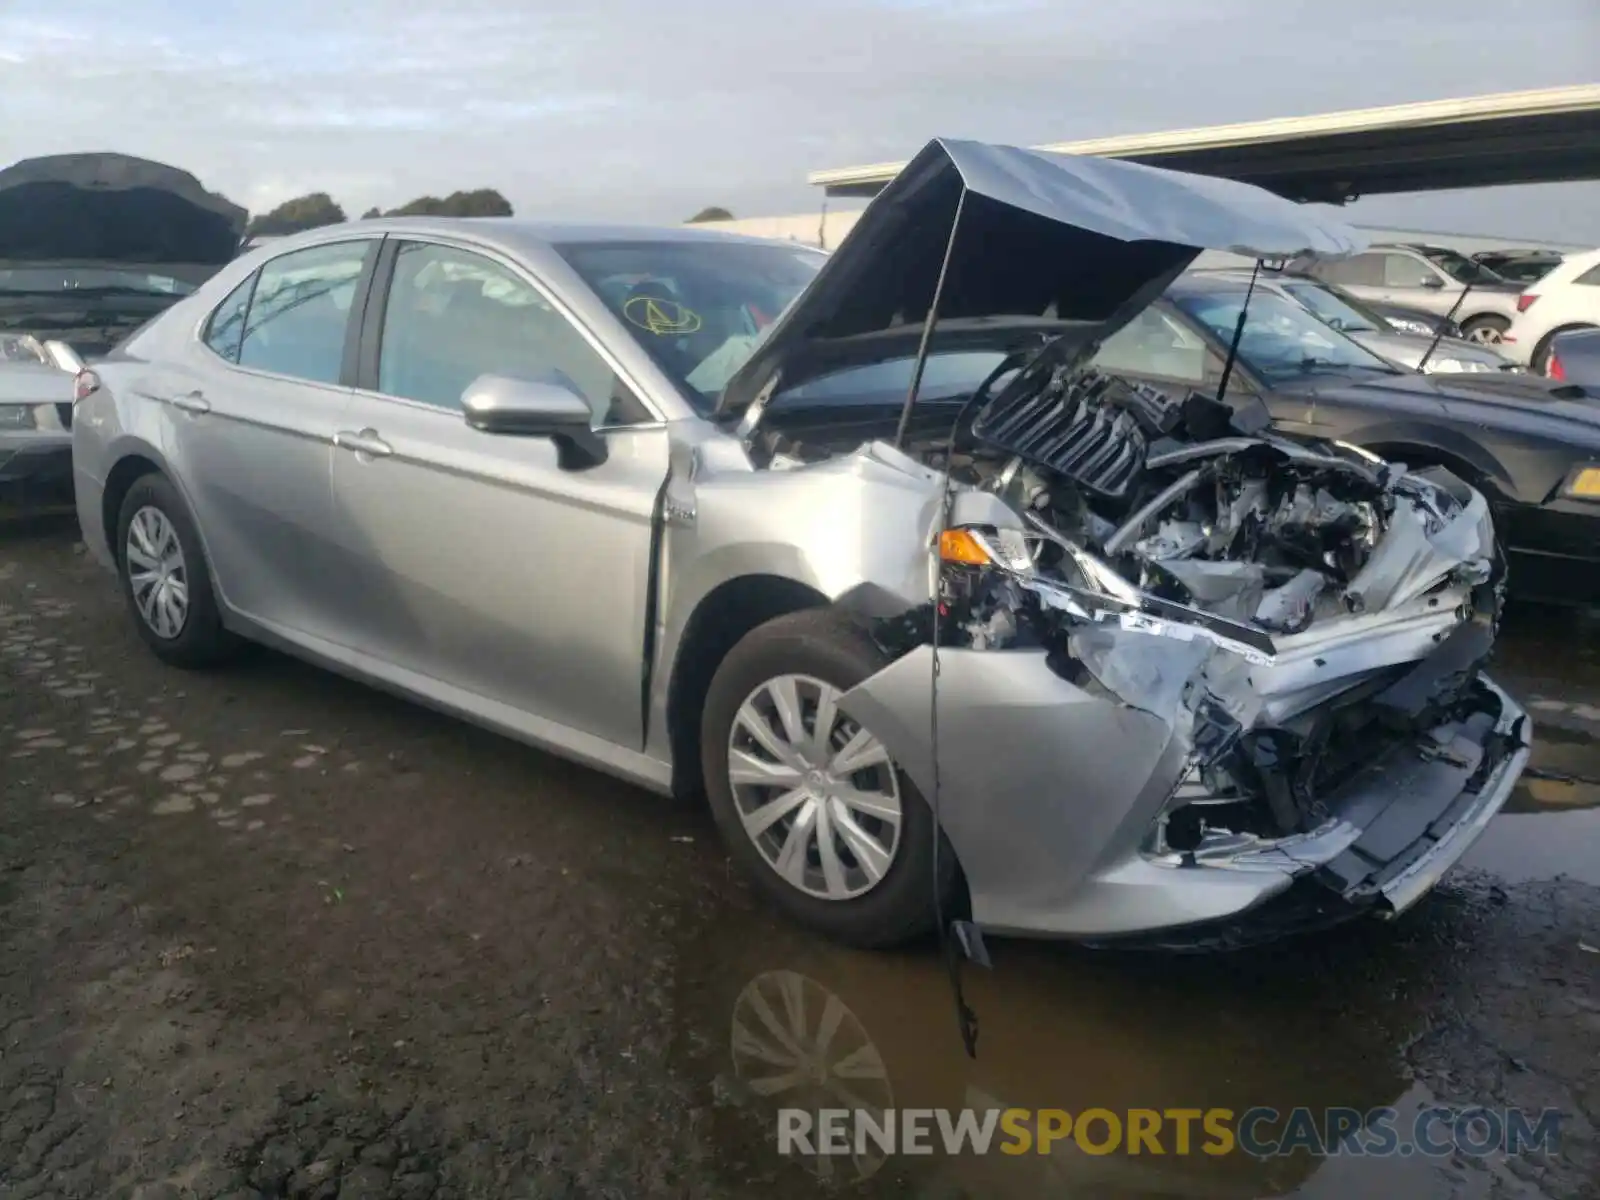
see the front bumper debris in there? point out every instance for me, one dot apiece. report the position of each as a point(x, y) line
point(1048, 793)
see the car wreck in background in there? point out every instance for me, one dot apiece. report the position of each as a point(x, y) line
point(91, 247)
point(1077, 656)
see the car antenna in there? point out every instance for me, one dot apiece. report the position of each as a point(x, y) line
point(1238, 333)
point(1444, 323)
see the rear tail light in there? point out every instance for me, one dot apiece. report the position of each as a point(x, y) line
point(85, 384)
point(1553, 368)
point(1525, 301)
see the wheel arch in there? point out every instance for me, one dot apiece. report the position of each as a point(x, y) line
point(722, 617)
point(1473, 462)
point(1541, 348)
point(127, 471)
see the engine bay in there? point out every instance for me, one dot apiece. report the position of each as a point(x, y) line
point(1169, 554)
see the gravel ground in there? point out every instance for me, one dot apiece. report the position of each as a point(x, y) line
point(268, 933)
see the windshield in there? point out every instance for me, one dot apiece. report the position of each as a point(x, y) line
point(944, 377)
point(1461, 268)
point(697, 307)
point(1282, 341)
point(35, 281)
point(1330, 308)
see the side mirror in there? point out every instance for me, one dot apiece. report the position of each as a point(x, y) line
point(1433, 282)
point(512, 407)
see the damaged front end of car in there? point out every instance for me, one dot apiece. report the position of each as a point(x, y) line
point(1188, 666)
point(1172, 678)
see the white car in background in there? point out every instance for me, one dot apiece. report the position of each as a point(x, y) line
point(1567, 298)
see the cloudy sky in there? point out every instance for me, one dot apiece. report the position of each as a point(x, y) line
point(650, 109)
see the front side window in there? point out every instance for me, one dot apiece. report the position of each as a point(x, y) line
point(453, 315)
point(225, 329)
point(1461, 268)
point(1153, 343)
point(1281, 340)
point(300, 314)
point(698, 308)
point(1403, 271)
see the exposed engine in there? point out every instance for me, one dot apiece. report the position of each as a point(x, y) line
point(1183, 559)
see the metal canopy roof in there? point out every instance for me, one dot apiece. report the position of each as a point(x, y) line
point(1551, 135)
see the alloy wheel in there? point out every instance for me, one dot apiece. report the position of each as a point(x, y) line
point(1485, 335)
point(816, 793)
point(157, 573)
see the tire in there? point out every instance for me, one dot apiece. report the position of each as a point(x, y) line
point(199, 639)
point(902, 903)
point(1485, 330)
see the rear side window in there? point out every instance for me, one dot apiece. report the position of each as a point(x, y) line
point(300, 312)
point(1591, 277)
point(225, 329)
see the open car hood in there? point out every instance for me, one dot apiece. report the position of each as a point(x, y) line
point(112, 208)
point(1046, 243)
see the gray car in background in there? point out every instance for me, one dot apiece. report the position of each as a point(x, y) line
point(1430, 278)
point(1060, 653)
point(1455, 356)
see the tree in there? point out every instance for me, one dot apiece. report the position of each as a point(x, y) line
point(714, 212)
point(292, 216)
point(481, 202)
point(374, 211)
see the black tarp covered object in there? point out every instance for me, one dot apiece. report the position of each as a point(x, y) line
point(113, 208)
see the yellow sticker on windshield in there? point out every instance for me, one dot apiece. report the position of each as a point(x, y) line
point(661, 317)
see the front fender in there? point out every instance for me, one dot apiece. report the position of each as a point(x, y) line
point(1042, 785)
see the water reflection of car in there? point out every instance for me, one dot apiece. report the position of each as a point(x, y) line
point(1356, 321)
point(91, 247)
point(775, 1020)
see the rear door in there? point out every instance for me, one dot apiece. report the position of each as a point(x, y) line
point(252, 431)
point(482, 566)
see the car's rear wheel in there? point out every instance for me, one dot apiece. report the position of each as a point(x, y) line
point(165, 578)
point(1486, 330)
point(810, 803)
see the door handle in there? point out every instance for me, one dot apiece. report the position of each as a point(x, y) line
point(192, 402)
point(366, 442)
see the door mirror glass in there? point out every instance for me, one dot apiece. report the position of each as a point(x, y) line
point(511, 407)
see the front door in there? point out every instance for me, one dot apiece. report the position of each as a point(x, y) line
point(480, 563)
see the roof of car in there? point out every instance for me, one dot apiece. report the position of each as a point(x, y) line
point(523, 229)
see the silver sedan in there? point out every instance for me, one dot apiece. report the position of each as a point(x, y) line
point(1040, 648)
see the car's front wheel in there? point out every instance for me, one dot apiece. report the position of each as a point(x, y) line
point(165, 579)
point(810, 803)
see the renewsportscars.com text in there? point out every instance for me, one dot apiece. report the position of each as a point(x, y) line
point(1437, 1131)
